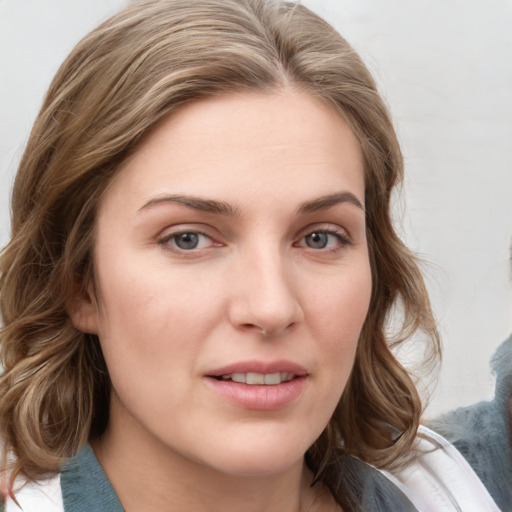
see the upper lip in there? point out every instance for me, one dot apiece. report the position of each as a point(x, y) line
point(281, 366)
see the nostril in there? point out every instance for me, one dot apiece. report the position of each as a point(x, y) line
point(267, 331)
point(253, 327)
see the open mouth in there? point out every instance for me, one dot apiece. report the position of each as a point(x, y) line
point(263, 390)
point(258, 379)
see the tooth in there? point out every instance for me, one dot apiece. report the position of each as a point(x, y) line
point(273, 378)
point(226, 377)
point(239, 377)
point(255, 378)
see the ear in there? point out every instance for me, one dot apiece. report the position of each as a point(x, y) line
point(84, 312)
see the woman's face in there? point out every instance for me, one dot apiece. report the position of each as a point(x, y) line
point(232, 281)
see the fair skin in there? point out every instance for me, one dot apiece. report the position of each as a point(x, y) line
point(231, 246)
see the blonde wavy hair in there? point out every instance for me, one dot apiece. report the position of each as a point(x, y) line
point(116, 85)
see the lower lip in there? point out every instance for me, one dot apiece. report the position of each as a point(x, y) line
point(259, 397)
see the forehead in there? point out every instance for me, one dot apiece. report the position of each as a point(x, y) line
point(285, 141)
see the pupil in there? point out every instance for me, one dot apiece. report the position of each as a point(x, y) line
point(187, 240)
point(317, 240)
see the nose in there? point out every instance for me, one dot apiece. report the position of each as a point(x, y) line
point(265, 297)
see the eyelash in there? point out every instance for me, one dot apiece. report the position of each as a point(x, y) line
point(341, 236)
point(169, 241)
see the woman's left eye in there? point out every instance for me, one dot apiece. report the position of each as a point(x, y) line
point(322, 239)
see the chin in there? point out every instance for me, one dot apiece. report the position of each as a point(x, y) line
point(259, 467)
point(260, 457)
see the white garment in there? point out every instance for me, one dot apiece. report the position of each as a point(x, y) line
point(440, 479)
point(44, 496)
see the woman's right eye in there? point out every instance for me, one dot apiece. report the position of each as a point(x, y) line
point(187, 241)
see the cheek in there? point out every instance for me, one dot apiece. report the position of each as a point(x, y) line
point(137, 292)
point(339, 314)
point(150, 318)
point(151, 337)
point(336, 315)
point(340, 307)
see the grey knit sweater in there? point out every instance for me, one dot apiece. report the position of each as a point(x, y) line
point(482, 432)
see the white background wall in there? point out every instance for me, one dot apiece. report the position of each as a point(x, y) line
point(445, 68)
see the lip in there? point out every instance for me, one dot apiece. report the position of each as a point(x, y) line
point(259, 397)
point(260, 367)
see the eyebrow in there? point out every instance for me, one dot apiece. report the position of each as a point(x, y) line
point(195, 203)
point(325, 202)
point(225, 209)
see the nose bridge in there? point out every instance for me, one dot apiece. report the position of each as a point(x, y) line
point(266, 299)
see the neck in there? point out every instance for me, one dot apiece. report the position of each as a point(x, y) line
point(148, 475)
